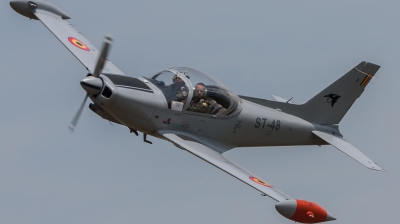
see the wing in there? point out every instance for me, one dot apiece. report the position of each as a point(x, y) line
point(184, 141)
point(348, 149)
point(75, 42)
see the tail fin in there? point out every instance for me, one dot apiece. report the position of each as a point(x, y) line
point(331, 104)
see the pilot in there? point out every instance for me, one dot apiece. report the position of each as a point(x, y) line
point(177, 90)
point(203, 104)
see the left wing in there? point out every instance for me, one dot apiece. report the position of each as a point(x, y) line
point(183, 141)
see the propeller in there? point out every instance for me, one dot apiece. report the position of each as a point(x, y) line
point(103, 56)
point(74, 121)
point(96, 73)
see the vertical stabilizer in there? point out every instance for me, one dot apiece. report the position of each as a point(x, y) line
point(332, 103)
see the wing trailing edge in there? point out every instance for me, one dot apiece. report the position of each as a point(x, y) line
point(348, 149)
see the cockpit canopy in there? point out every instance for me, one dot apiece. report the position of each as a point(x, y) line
point(178, 86)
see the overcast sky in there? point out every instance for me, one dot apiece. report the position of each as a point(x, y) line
point(103, 174)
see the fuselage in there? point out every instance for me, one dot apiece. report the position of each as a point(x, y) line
point(146, 110)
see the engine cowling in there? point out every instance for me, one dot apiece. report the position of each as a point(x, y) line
point(303, 211)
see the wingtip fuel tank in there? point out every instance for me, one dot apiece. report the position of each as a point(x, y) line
point(28, 8)
point(303, 211)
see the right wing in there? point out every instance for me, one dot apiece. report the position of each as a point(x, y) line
point(218, 160)
point(75, 42)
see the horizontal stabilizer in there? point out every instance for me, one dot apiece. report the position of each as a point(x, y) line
point(282, 100)
point(348, 149)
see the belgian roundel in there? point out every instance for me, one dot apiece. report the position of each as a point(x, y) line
point(258, 181)
point(77, 43)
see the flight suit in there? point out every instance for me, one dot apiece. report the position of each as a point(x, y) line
point(205, 105)
point(176, 94)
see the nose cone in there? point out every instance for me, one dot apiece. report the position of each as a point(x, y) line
point(92, 85)
point(17, 4)
point(24, 8)
point(286, 208)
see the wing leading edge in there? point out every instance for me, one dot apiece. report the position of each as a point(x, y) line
point(218, 160)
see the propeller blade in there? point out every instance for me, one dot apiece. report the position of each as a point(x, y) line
point(74, 121)
point(103, 56)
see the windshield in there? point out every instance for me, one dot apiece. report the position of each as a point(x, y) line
point(187, 89)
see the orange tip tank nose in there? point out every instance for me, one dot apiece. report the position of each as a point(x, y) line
point(303, 211)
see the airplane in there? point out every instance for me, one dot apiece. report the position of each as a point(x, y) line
point(148, 104)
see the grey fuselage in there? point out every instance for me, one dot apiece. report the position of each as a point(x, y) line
point(146, 110)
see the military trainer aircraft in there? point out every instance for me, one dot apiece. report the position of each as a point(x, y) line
point(149, 105)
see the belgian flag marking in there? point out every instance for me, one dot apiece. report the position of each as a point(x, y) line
point(366, 80)
point(258, 181)
point(77, 43)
